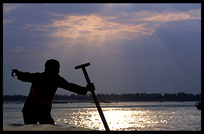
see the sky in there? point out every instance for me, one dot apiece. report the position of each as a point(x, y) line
point(132, 48)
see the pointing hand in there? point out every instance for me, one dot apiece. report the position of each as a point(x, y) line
point(14, 71)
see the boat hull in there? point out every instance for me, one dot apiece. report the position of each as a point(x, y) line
point(198, 105)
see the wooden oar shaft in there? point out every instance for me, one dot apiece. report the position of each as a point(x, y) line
point(100, 111)
point(94, 96)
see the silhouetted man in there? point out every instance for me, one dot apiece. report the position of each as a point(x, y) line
point(38, 105)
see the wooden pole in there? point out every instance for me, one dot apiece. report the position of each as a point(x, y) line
point(94, 96)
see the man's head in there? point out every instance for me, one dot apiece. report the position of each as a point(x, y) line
point(52, 67)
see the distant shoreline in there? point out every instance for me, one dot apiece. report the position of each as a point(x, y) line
point(70, 102)
point(111, 98)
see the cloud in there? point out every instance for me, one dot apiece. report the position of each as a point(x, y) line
point(89, 28)
point(10, 7)
point(6, 9)
point(167, 16)
point(7, 21)
point(92, 28)
point(34, 27)
point(20, 50)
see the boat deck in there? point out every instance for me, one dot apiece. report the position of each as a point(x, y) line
point(41, 127)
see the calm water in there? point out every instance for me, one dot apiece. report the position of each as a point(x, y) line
point(126, 116)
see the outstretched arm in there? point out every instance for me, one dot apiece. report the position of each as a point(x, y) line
point(23, 76)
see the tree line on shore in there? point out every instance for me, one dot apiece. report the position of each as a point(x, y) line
point(180, 96)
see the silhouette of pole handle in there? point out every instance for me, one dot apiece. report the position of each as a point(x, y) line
point(93, 95)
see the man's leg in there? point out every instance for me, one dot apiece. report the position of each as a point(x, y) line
point(29, 118)
point(46, 119)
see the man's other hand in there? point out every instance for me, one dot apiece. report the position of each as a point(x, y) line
point(90, 87)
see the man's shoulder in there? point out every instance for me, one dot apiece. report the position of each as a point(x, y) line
point(62, 79)
point(38, 73)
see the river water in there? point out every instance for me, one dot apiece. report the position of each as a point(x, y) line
point(121, 116)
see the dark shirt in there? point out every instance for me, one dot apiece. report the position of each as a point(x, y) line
point(46, 87)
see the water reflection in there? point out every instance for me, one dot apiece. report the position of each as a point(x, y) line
point(120, 119)
point(131, 118)
point(117, 119)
